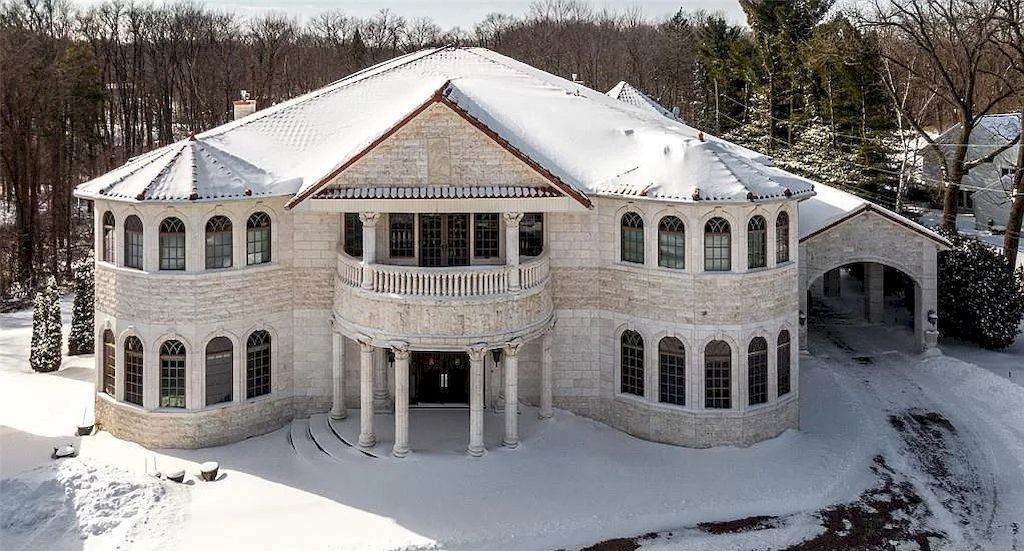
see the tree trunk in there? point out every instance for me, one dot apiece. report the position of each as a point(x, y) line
point(1011, 241)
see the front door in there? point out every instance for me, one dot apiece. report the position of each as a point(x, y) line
point(440, 378)
point(444, 240)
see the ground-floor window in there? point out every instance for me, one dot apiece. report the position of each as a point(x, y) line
point(783, 362)
point(257, 364)
point(219, 382)
point(757, 371)
point(632, 363)
point(109, 362)
point(133, 369)
point(671, 371)
point(717, 375)
point(172, 375)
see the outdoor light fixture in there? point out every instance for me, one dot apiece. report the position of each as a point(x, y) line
point(933, 318)
point(803, 318)
point(496, 354)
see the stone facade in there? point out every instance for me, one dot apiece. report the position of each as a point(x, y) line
point(333, 319)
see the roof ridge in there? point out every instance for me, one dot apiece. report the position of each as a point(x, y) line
point(349, 80)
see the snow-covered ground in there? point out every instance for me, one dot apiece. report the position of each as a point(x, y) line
point(939, 439)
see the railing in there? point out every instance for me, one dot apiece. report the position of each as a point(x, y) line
point(462, 281)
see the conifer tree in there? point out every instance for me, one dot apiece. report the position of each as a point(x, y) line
point(80, 341)
point(45, 354)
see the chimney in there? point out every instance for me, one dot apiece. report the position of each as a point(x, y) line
point(245, 106)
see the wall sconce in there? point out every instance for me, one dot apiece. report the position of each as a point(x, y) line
point(803, 318)
point(496, 354)
point(933, 318)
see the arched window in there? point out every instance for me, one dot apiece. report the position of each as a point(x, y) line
point(671, 371)
point(717, 245)
point(133, 369)
point(353, 234)
point(782, 238)
point(632, 238)
point(218, 242)
point(172, 244)
point(257, 364)
point(531, 234)
point(219, 380)
point(757, 371)
point(632, 363)
point(172, 374)
point(718, 375)
point(257, 239)
point(107, 255)
point(757, 243)
point(133, 242)
point(782, 360)
point(109, 363)
point(671, 243)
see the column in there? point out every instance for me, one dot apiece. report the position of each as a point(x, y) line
point(512, 220)
point(546, 410)
point(369, 220)
point(401, 448)
point(874, 291)
point(476, 400)
point(338, 410)
point(511, 355)
point(366, 437)
point(381, 400)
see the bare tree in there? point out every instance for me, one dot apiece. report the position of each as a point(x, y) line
point(1011, 41)
point(947, 48)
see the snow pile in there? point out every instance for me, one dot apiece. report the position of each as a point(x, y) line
point(59, 504)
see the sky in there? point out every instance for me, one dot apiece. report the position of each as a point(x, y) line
point(462, 13)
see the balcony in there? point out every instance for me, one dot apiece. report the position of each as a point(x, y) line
point(450, 307)
point(455, 282)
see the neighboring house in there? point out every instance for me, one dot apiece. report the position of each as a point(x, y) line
point(987, 188)
point(456, 227)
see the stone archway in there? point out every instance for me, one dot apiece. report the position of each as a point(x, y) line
point(874, 237)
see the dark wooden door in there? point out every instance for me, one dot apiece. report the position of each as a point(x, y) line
point(444, 240)
point(440, 378)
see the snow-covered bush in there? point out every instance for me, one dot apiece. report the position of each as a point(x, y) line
point(80, 341)
point(46, 337)
point(981, 299)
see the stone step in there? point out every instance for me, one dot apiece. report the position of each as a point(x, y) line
point(326, 439)
point(353, 447)
point(302, 442)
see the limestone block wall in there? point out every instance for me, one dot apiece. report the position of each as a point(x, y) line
point(290, 297)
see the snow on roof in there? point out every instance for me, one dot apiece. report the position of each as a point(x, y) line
point(830, 206)
point(625, 92)
point(1002, 127)
point(592, 143)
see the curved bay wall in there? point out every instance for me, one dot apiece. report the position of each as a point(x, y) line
point(196, 305)
point(597, 297)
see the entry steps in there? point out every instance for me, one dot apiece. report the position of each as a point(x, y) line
point(316, 438)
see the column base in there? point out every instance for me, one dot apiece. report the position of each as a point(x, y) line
point(400, 452)
point(367, 440)
point(510, 444)
point(339, 415)
point(476, 452)
point(382, 405)
point(545, 414)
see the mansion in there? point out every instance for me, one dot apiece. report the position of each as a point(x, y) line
point(453, 227)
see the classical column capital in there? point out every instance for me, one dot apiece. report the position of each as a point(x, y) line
point(512, 218)
point(401, 350)
point(369, 218)
point(365, 346)
point(512, 347)
point(477, 351)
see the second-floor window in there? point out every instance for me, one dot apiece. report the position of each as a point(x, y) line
point(485, 235)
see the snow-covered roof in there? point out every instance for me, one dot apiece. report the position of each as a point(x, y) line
point(831, 206)
point(625, 92)
point(585, 142)
point(991, 129)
